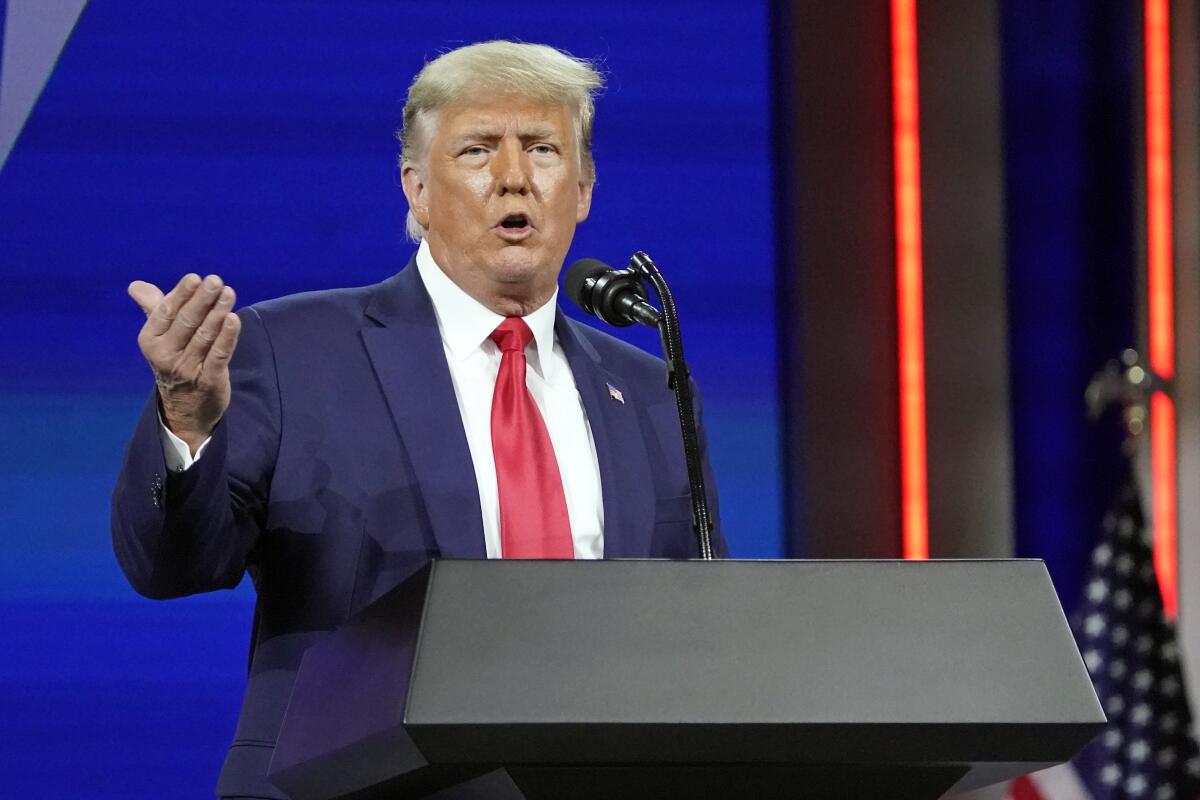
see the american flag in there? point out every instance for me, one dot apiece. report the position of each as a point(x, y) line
point(1147, 751)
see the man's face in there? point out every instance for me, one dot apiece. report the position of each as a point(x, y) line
point(499, 194)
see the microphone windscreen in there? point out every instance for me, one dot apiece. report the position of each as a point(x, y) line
point(577, 274)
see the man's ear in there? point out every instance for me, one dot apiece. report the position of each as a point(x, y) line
point(413, 183)
point(585, 200)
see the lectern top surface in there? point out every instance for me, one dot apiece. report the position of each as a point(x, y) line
point(765, 642)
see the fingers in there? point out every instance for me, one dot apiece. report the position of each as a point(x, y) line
point(224, 345)
point(162, 313)
point(146, 295)
point(192, 312)
point(198, 346)
point(182, 326)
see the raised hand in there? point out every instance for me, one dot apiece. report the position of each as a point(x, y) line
point(189, 336)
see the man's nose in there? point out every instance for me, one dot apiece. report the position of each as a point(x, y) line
point(511, 168)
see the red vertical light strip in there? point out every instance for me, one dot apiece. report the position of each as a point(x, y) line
point(1160, 284)
point(1166, 520)
point(910, 314)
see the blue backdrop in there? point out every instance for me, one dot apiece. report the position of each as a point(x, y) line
point(256, 140)
point(1069, 92)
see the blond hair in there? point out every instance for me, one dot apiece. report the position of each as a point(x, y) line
point(535, 71)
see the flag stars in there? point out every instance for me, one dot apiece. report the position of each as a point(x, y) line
point(1122, 599)
point(1120, 635)
point(1136, 785)
point(1147, 751)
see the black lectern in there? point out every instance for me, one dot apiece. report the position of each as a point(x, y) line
point(697, 679)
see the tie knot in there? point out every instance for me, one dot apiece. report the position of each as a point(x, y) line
point(512, 335)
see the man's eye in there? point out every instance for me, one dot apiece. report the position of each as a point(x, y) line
point(542, 149)
point(474, 150)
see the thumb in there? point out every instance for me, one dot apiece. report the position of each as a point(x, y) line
point(146, 295)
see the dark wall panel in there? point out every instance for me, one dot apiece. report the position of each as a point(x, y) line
point(966, 348)
point(837, 278)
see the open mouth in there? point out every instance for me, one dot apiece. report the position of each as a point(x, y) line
point(515, 222)
point(514, 228)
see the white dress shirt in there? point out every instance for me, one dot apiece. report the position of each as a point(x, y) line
point(474, 361)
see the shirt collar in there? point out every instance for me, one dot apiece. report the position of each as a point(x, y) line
point(466, 324)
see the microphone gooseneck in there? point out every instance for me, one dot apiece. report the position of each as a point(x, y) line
point(679, 379)
point(619, 298)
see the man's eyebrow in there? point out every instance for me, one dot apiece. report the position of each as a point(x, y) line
point(473, 134)
point(489, 134)
point(538, 132)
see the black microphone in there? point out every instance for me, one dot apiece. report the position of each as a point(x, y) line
point(614, 295)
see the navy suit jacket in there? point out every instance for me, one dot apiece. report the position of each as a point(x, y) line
point(341, 467)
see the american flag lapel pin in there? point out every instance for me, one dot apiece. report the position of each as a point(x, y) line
point(615, 393)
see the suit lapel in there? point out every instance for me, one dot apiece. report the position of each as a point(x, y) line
point(626, 482)
point(407, 355)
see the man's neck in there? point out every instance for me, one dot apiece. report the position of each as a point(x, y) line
point(516, 299)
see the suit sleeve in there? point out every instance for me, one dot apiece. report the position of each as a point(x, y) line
point(180, 533)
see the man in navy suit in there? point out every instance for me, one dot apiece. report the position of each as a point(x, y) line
point(329, 444)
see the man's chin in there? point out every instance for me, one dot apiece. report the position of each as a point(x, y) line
point(517, 265)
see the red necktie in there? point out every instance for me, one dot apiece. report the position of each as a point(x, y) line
point(533, 508)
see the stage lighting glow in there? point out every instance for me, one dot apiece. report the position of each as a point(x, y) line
point(910, 312)
point(1160, 284)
